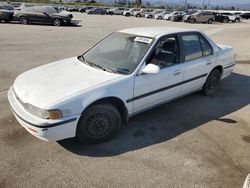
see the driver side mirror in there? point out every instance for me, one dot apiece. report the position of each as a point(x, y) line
point(151, 69)
point(45, 13)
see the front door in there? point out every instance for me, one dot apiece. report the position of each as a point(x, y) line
point(153, 89)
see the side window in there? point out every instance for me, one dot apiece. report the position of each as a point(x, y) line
point(166, 52)
point(192, 46)
point(206, 48)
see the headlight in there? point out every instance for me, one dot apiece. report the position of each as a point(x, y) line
point(44, 114)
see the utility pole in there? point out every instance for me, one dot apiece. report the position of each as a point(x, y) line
point(203, 4)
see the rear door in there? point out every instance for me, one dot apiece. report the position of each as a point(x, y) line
point(198, 60)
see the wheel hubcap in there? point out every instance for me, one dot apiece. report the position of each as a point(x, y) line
point(98, 125)
point(57, 22)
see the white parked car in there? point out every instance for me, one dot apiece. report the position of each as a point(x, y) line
point(160, 16)
point(153, 13)
point(128, 72)
point(142, 12)
point(232, 17)
point(130, 12)
point(168, 16)
point(116, 11)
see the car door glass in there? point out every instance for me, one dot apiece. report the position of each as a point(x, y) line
point(206, 48)
point(192, 47)
point(166, 53)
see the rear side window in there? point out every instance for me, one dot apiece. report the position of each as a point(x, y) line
point(192, 47)
point(206, 48)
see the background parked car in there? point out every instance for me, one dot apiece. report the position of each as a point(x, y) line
point(202, 17)
point(142, 12)
point(39, 14)
point(245, 15)
point(84, 9)
point(73, 9)
point(130, 12)
point(96, 11)
point(6, 12)
point(161, 15)
point(188, 15)
point(153, 13)
point(232, 17)
point(116, 11)
point(219, 17)
point(167, 16)
point(177, 17)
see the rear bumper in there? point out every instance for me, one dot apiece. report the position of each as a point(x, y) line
point(44, 129)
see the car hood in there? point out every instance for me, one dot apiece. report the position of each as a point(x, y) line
point(50, 83)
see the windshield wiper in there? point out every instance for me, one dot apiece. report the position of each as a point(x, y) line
point(100, 67)
point(95, 65)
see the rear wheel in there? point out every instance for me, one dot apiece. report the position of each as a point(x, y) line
point(23, 20)
point(225, 20)
point(212, 83)
point(98, 123)
point(210, 21)
point(56, 22)
point(160, 17)
point(150, 16)
point(127, 14)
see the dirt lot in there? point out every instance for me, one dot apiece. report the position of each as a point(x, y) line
point(195, 141)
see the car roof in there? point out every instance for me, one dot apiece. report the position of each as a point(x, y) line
point(155, 32)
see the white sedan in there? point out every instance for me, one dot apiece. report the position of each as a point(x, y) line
point(128, 72)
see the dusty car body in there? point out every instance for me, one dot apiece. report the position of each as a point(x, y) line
point(40, 14)
point(128, 72)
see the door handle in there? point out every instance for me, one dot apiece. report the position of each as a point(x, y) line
point(177, 72)
point(209, 63)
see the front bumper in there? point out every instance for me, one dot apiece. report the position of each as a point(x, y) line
point(45, 129)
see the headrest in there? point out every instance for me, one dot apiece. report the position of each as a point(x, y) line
point(170, 45)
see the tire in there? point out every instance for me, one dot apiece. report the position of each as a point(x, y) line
point(237, 20)
point(57, 22)
point(225, 20)
point(192, 20)
point(98, 123)
point(7, 20)
point(127, 14)
point(150, 16)
point(23, 20)
point(210, 21)
point(160, 17)
point(212, 83)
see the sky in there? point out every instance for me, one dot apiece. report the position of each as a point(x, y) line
point(214, 1)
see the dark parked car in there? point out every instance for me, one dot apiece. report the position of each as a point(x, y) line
point(39, 14)
point(6, 12)
point(221, 18)
point(96, 11)
point(245, 15)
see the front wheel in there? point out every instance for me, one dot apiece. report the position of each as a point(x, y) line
point(98, 123)
point(23, 20)
point(212, 83)
point(56, 22)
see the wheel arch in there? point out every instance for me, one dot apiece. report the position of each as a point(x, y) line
point(115, 101)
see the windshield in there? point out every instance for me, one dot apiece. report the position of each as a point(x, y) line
point(6, 7)
point(118, 53)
